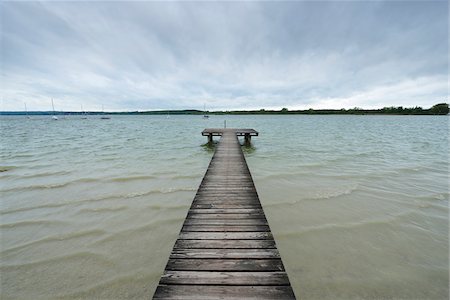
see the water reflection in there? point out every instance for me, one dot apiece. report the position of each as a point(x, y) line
point(248, 148)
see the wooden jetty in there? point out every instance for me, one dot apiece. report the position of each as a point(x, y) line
point(225, 249)
point(246, 133)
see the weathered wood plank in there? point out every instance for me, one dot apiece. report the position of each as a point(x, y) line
point(225, 236)
point(201, 292)
point(227, 193)
point(225, 278)
point(203, 205)
point(225, 201)
point(225, 265)
point(225, 244)
point(225, 253)
point(226, 190)
point(222, 177)
point(230, 183)
point(225, 228)
point(211, 196)
point(226, 211)
point(226, 216)
point(231, 222)
point(227, 197)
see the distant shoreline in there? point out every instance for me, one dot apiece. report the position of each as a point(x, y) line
point(438, 109)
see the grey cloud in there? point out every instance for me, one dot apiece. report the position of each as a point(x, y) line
point(153, 55)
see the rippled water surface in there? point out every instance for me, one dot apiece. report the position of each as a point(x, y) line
point(91, 208)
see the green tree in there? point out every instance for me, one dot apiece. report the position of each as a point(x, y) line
point(440, 109)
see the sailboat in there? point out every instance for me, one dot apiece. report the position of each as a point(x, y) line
point(54, 117)
point(205, 116)
point(26, 111)
point(83, 116)
point(103, 117)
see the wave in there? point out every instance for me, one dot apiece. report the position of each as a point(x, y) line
point(193, 176)
point(23, 155)
point(281, 176)
point(395, 193)
point(132, 178)
point(23, 209)
point(58, 238)
point(435, 197)
point(140, 229)
point(45, 174)
point(324, 195)
point(320, 195)
point(297, 176)
point(50, 186)
point(99, 258)
point(103, 209)
point(157, 206)
point(104, 158)
point(161, 191)
point(36, 187)
point(102, 198)
point(7, 168)
point(102, 289)
point(32, 223)
point(345, 226)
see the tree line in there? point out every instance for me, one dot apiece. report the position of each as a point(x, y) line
point(438, 109)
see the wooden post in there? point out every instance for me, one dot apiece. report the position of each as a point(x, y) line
point(210, 138)
point(248, 139)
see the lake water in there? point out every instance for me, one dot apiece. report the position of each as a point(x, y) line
point(358, 204)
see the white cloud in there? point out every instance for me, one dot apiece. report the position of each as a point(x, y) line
point(399, 94)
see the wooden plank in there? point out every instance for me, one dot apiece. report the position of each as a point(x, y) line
point(219, 185)
point(226, 216)
point(225, 244)
point(202, 205)
point(224, 195)
point(212, 188)
point(234, 222)
point(225, 253)
point(236, 178)
point(225, 198)
point(225, 236)
point(222, 228)
point(216, 181)
point(225, 265)
point(226, 211)
point(228, 193)
point(225, 278)
point(201, 292)
point(226, 201)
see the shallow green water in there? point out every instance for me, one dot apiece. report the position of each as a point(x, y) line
point(91, 208)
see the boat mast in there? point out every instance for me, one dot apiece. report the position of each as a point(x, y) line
point(53, 107)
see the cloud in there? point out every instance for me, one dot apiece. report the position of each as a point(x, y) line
point(402, 93)
point(229, 55)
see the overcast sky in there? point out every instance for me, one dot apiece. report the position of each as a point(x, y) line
point(228, 55)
